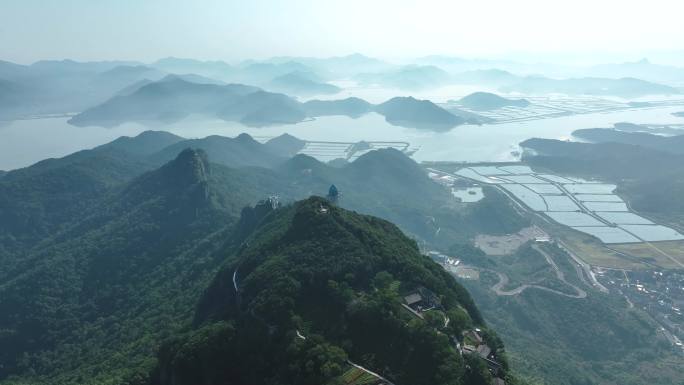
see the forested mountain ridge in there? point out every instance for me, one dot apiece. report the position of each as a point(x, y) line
point(110, 252)
point(313, 286)
point(79, 295)
point(39, 200)
point(240, 151)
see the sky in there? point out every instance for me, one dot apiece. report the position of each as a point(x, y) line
point(145, 30)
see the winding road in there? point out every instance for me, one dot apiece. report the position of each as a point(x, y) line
point(503, 281)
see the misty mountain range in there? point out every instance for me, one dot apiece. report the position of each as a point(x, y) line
point(173, 98)
point(67, 87)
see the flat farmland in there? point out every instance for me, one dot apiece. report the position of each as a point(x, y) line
point(674, 249)
point(595, 253)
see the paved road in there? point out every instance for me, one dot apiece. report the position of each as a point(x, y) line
point(580, 263)
point(559, 274)
point(585, 267)
point(503, 281)
point(235, 284)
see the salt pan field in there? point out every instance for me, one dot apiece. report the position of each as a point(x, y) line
point(653, 233)
point(620, 218)
point(609, 234)
point(520, 170)
point(555, 178)
point(590, 207)
point(605, 206)
point(589, 188)
point(573, 219)
point(523, 179)
point(471, 174)
point(544, 188)
point(598, 198)
point(527, 196)
point(560, 203)
point(489, 170)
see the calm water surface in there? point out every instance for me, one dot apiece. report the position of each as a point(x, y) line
point(25, 142)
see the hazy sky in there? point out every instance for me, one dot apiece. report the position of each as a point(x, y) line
point(233, 30)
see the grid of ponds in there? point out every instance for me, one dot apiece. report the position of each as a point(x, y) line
point(587, 206)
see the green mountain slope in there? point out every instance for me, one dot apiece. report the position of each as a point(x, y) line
point(388, 184)
point(316, 285)
point(110, 255)
point(37, 200)
point(240, 151)
point(105, 289)
point(599, 339)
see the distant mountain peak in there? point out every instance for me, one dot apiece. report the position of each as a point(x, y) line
point(408, 111)
point(482, 101)
point(191, 166)
point(173, 78)
point(244, 137)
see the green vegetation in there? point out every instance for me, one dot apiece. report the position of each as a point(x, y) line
point(104, 255)
point(596, 340)
point(91, 302)
point(551, 339)
point(329, 276)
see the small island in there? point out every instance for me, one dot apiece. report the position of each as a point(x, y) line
point(485, 101)
point(414, 113)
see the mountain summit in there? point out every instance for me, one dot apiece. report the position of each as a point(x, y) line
point(314, 291)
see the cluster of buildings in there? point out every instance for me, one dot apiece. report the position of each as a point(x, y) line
point(422, 300)
point(659, 293)
point(473, 343)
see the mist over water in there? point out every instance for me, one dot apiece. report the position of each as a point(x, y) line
point(28, 141)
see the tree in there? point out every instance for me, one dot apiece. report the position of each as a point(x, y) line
point(458, 321)
point(435, 319)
